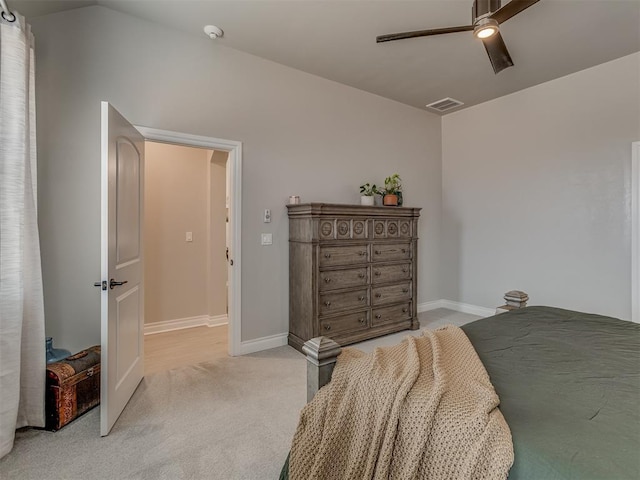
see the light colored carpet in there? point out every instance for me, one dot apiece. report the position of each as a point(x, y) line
point(229, 419)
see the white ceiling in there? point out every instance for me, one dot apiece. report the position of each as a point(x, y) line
point(335, 39)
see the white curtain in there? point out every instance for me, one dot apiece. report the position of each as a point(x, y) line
point(22, 351)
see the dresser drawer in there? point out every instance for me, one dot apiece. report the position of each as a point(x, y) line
point(390, 273)
point(395, 313)
point(344, 323)
point(352, 277)
point(383, 252)
point(346, 255)
point(391, 293)
point(338, 301)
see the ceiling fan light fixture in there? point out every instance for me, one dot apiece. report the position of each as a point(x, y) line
point(485, 28)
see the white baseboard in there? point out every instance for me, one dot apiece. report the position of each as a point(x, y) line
point(456, 306)
point(188, 322)
point(466, 308)
point(264, 343)
point(217, 320)
point(432, 305)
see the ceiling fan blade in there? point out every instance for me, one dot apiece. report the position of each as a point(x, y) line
point(422, 33)
point(512, 8)
point(498, 53)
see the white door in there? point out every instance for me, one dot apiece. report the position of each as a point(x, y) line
point(122, 312)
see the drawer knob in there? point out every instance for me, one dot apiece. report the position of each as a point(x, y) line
point(327, 326)
point(327, 255)
point(378, 252)
point(362, 254)
point(405, 290)
point(378, 316)
point(362, 320)
point(327, 303)
point(404, 270)
point(361, 275)
point(362, 298)
point(404, 310)
point(327, 280)
point(378, 295)
point(378, 273)
point(404, 250)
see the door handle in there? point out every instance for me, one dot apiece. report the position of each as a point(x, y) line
point(113, 283)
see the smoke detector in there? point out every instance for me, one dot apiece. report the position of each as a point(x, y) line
point(213, 32)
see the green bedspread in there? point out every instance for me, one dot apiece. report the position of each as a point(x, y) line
point(569, 388)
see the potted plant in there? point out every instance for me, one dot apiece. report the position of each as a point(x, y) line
point(367, 192)
point(392, 190)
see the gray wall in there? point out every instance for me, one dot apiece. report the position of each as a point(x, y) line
point(536, 193)
point(301, 134)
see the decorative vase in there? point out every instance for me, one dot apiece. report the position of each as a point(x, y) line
point(400, 198)
point(367, 200)
point(55, 354)
point(390, 200)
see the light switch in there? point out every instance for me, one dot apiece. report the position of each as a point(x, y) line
point(267, 216)
point(189, 237)
point(267, 239)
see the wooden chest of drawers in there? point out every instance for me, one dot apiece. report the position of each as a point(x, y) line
point(352, 271)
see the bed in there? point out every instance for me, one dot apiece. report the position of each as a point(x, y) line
point(569, 388)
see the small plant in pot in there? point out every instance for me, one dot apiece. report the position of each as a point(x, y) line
point(367, 192)
point(392, 192)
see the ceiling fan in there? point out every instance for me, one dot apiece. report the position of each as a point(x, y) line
point(487, 16)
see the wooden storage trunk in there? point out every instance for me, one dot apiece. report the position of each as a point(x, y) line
point(73, 387)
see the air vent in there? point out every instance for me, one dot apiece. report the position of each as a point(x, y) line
point(445, 104)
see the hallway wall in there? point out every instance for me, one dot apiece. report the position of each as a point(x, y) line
point(176, 196)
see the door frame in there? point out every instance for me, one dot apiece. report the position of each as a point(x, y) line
point(234, 164)
point(635, 232)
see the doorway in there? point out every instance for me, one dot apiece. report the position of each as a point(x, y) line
point(231, 151)
point(185, 242)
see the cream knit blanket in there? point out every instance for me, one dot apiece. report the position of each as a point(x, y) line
point(422, 409)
